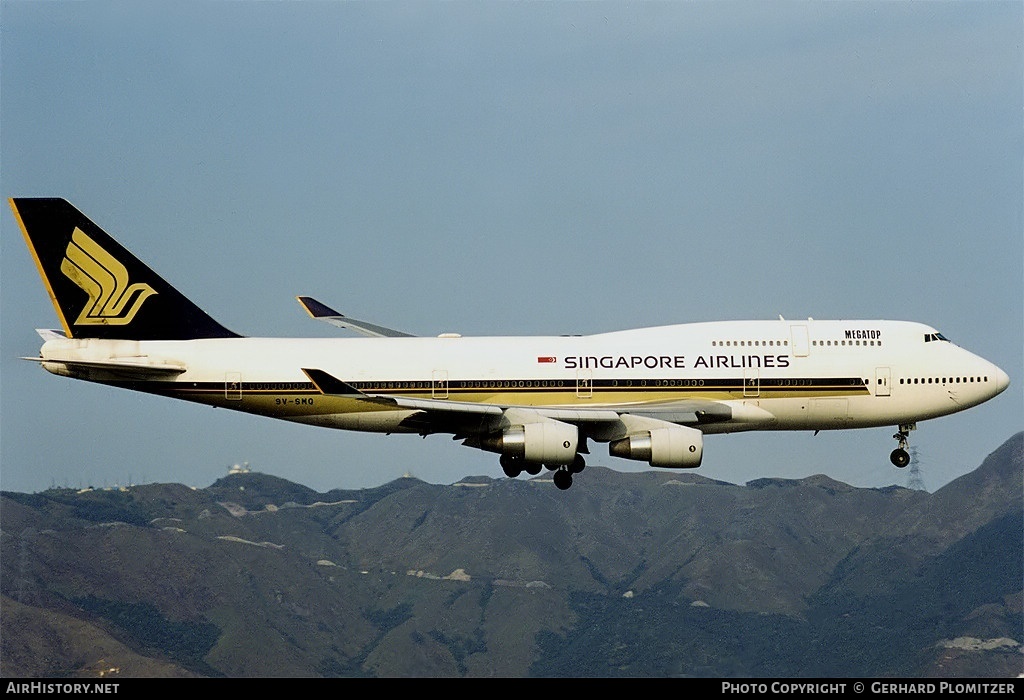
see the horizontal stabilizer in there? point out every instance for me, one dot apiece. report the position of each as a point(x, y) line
point(128, 368)
point(50, 334)
point(322, 312)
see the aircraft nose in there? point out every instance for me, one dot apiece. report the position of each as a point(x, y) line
point(1002, 380)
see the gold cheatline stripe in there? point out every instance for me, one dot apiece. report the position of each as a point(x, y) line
point(522, 395)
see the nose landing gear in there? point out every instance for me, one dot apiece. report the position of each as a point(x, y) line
point(900, 457)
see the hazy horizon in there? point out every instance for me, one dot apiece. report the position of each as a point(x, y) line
point(513, 169)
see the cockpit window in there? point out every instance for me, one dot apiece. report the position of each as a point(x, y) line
point(929, 337)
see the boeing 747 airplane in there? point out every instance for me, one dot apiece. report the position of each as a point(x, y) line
point(651, 394)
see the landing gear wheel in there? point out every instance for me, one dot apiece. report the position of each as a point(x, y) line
point(562, 479)
point(533, 468)
point(512, 466)
point(900, 457)
point(578, 464)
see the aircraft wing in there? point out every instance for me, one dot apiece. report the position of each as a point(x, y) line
point(462, 417)
point(322, 312)
point(327, 383)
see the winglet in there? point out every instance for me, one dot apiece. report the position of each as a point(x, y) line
point(322, 312)
point(316, 309)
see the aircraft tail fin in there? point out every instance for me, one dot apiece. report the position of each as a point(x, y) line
point(99, 289)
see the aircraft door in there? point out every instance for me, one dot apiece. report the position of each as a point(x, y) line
point(751, 382)
point(439, 384)
point(233, 386)
point(883, 380)
point(584, 384)
point(801, 343)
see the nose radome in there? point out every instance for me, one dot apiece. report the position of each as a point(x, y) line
point(1002, 380)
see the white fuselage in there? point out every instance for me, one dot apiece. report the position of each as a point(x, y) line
point(773, 375)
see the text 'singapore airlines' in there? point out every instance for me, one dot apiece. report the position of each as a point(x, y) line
point(650, 394)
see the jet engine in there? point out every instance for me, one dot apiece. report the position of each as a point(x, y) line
point(675, 447)
point(545, 442)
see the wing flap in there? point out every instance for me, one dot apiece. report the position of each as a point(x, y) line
point(686, 412)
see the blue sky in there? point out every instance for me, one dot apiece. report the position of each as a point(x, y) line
point(513, 168)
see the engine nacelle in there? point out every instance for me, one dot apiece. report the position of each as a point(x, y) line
point(545, 442)
point(676, 447)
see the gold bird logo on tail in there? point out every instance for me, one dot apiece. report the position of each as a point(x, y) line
point(112, 301)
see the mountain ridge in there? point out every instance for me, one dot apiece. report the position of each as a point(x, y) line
point(642, 574)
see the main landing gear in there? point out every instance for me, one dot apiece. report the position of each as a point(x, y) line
point(563, 475)
point(514, 466)
point(900, 457)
